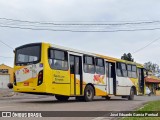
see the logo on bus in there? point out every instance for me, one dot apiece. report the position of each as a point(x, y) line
point(99, 79)
point(25, 70)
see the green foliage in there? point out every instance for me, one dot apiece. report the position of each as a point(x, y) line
point(127, 57)
point(153, 67)
point(150, 106)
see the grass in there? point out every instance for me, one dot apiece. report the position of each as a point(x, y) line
point(150, 106)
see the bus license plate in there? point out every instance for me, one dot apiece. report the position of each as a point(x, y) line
point(26, 83)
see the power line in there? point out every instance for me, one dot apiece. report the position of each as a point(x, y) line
point(146, 45)
point(70, 30)
point(6, 45)
point(75, 27)
point(101, 24)
point(30, 28)
point(35, 25)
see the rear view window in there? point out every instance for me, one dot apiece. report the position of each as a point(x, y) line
point(28, 54)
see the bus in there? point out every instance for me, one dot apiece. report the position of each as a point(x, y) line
point(44, 68)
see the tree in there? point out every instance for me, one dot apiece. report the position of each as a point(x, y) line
point(127, 57)
point(152, 67)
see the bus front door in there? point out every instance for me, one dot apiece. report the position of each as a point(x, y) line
point(141, 81)
point(76, 74)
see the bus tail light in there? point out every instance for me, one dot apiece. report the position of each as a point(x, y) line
point(40, 78)
point(14, 82)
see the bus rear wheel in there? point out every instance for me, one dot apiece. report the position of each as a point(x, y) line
point(61, 97)
point(107, 97)
point(131, 96)
point(88, 93)
point(80, 98)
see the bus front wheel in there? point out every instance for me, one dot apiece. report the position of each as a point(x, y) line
point(61, 97)
point(88, 93)
point(131, 96)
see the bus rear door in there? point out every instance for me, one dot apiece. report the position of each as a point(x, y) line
point(110, 77)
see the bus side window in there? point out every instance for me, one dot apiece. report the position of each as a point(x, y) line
point(119, 73)
point(72, 64)
point(129, 68)
point(89, 64)
point(58, 59)
point(77, 65)
point(107, 70)
point(100, 66)
point(110, 70)
point(134, 71)
point(121, 69)
point(124, 69)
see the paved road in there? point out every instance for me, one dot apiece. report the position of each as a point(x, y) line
point(25, 102)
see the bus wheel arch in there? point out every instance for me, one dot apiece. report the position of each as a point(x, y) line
point(89, 92)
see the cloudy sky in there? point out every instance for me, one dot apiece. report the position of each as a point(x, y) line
point(81, 11)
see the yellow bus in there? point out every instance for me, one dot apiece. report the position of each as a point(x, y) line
point(44, 68)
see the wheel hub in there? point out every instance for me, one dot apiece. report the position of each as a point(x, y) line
point(89, 94)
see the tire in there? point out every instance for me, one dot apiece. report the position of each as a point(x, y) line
point(88, 93)
point(79, 98)
point(61, 97)
point(131, 96)
point(10, 85)
point(107, 97)
point(149, 94)
point(124, 96)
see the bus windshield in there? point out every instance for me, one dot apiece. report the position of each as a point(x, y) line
point(27, 54)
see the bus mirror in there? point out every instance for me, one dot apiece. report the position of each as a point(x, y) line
point(13, 51)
